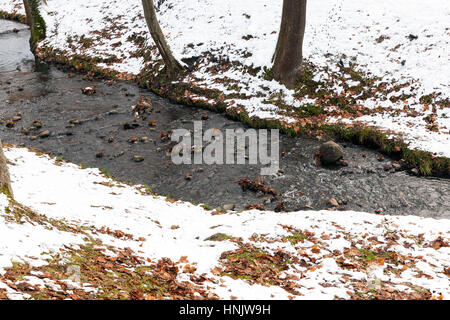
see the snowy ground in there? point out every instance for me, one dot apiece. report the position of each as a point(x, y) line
point(249, 255)
point(409, 98)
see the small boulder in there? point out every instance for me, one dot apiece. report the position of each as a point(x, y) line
point(230, 206)
point(88, 91)
point(138, 158)
point(333, 202)
point(37, 124)
point(45, 134)
point(331, 152)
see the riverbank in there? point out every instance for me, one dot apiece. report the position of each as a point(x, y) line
point(379, 91)
point(106, 239)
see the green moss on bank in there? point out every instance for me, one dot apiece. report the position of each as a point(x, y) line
point(425, 162)
point(13, 16)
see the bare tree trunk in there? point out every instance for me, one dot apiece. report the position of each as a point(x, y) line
point(35, 21)
point(173, 67)
point(27, 6)
point(288, 53)
point(5, 181)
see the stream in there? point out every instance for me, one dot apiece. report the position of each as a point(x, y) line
point(89, 130)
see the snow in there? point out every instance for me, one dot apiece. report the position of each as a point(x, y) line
point(84, 197)
point(14, 6)
point(372, 36)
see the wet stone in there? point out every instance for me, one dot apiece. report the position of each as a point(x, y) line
point(45, 134)
point(331, 152)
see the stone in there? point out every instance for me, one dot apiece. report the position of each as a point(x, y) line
point(130, 126)
point(37, 124)
point(45, 134)
point(333, 202)
point(88, 91)
point(138, 158)
point(75, 121)
point(331, 152)
point(397, 166)
point(229, 206)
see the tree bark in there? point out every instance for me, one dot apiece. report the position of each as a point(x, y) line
point(35, 21)
point(173, 67)
point(27, 6)
point(5, 181)
point(288, 53)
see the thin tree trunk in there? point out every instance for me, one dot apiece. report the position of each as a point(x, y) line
point(27, 6)
point(288, 53)
point(35, 21)
point(5, 181)
point(172, 65)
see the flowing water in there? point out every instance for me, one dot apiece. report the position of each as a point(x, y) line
point(37, 91)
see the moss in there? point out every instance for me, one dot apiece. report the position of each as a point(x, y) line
point(39, 27)
point(19, 213)
point(80, 63)
point(426, 163)
point(219, 237)
point(13, 16)
point(207, 207)
point(368, 255)
point(268, 74)
point(296, 237)
point(124, 276)
point(6, 192)
point(309, 110)
point(106, 173)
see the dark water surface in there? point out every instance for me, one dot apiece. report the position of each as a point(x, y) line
point(42, 92)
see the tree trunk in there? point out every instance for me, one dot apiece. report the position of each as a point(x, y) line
point(5, 181)
point(288, 53)
point(173, 67)
point(35, 21)
point(27, 6)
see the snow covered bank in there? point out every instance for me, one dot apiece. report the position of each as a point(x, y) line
point(101, 227)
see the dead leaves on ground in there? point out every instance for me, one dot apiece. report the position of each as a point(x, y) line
point(112, 273)
point(257, 266)
point(256, 186)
